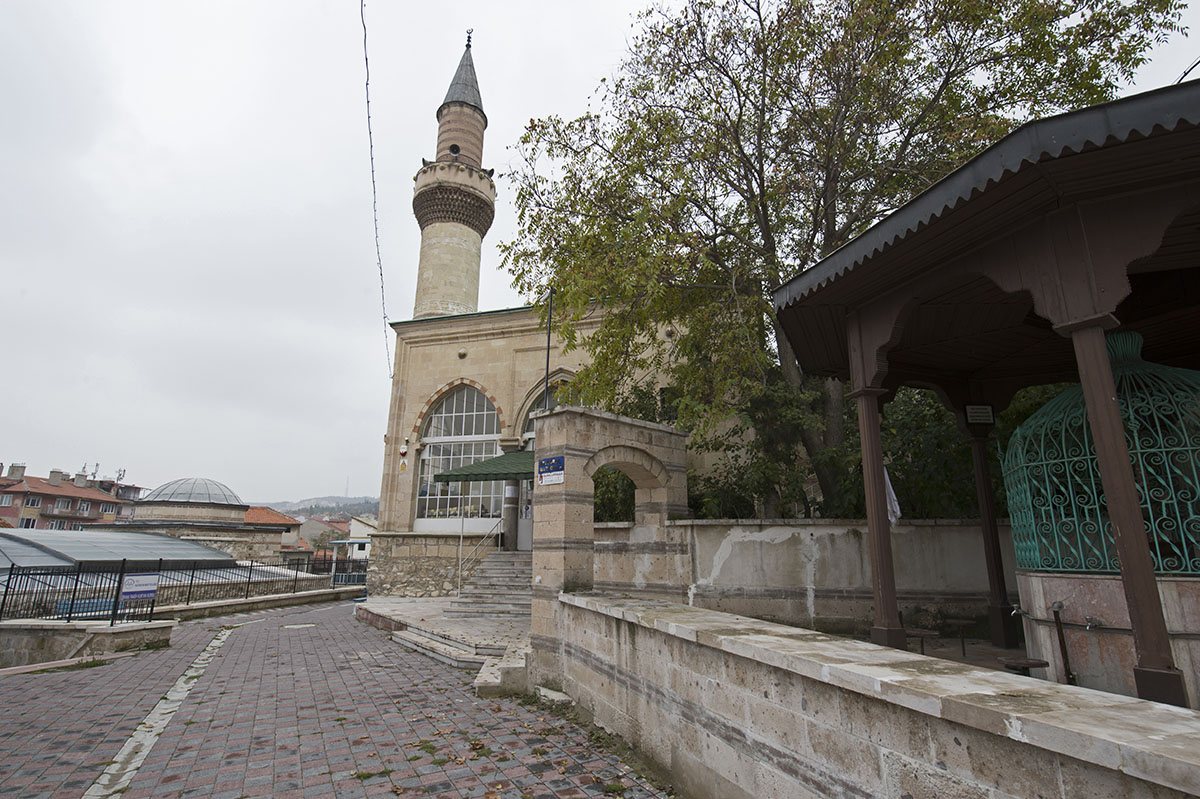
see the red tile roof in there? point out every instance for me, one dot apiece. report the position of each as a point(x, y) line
point(258, 514)
point(39, 485)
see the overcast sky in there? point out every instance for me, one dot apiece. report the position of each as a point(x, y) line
point(189, 285)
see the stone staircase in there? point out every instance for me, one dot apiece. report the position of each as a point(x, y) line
point(456, 651)
point(500, 586)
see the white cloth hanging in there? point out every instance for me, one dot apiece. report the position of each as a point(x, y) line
point(893, 504)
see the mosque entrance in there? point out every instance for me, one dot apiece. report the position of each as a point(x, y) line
point(525, 517)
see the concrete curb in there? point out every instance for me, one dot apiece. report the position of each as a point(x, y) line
point(57, 664)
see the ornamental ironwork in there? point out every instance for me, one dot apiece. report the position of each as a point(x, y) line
point(1055, 497)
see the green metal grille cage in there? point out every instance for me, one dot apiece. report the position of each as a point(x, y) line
point(1055, 498)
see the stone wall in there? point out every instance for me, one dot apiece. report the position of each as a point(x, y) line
point(418, 564)
point(743, 709)
point(503, 353)
point(1096, 628)
point(241, 544)
point(808, 572)
point(23, 642)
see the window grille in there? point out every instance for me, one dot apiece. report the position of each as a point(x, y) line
point(462, 429)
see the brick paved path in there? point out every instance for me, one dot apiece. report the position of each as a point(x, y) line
point(300, 702)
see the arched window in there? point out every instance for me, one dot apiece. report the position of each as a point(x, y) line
point(538, 404)
point(463, 428)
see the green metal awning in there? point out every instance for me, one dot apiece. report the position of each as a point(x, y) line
point(510, 466)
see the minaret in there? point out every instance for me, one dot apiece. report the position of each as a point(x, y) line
point(454, 201)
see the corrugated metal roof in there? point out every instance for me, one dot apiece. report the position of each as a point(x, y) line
point(1095, 127)
point(510, 466)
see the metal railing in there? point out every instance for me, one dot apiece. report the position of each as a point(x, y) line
point(477, 552)
point(131, 591)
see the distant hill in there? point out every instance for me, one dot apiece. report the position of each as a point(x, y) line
point(315, 505)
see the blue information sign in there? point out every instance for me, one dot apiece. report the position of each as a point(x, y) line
point(550, 470)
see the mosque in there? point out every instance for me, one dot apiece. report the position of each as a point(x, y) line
point(465, 381)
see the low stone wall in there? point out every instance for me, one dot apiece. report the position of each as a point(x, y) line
point(264, 581)
point(418, 564)
point(23, 642)
point(808, 572)
point(224, 607)
point(1096, 628)
point(742, 709)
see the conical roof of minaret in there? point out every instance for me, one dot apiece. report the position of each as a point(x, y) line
point(465, 87)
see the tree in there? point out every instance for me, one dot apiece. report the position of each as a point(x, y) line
point(742, 140)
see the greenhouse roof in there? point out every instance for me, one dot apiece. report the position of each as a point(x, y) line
point(93, 547)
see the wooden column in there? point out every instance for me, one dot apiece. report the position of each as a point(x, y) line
point(887, 630)
point(1001, 622)
point(1155, 674)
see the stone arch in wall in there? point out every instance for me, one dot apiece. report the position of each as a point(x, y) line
point(530, 403)
point(442, 392)
point(581, 441)
point(650, 479)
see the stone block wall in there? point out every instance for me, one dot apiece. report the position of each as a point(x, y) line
point(1099, 639)
point(808, 572)
point(418, 564)
point(243, 545)
point(744, 709)
point(24, 642)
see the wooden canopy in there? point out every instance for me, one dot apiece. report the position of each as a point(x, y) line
point(1007, 273)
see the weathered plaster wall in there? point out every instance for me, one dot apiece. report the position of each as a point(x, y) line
point(417, 564)
point(1100, 648)
point(742, 709)
point(814, 573)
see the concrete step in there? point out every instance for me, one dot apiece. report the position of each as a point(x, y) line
point(525, 580)
point(506, 600)
point(449, 639)
point(506, 675)
point(474, 589)
point(444, 653)
point(485, 609)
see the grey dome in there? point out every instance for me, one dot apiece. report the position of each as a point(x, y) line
point(194, 489)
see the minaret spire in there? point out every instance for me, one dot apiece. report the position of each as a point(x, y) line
point(454, 200)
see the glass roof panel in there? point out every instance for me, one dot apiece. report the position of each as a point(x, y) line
point(33, 547)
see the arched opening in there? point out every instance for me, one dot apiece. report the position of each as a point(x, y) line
point(628, 481)
point(462, 428)
point(614, 497)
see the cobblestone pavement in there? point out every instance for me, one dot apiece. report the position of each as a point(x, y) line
point(298, 702)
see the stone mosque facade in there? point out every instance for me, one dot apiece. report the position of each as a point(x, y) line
point(464, 381)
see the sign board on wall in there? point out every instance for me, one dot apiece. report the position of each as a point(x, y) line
point(139, 586)
point(550, 470)
point(980, 414)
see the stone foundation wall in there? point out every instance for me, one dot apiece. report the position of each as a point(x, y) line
point(812, 573)
point(743, 709)
point(24, 642)
point(417, 564)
